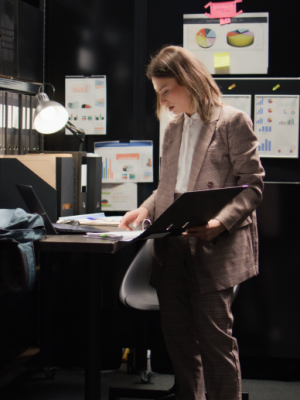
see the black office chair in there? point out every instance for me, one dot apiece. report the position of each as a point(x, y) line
point(136, 294)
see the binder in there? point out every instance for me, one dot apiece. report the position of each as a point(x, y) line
point(28, 122)
point(82, 187)
point(94, 184)
point(15, 123)
point(2, 123)
point(65, 186)
point(34, 135)
point(22, 141)
point(9, 124)
point(189, 210)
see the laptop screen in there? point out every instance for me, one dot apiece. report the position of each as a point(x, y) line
point(35, 207)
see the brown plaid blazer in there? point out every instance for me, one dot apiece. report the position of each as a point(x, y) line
point(225, 155)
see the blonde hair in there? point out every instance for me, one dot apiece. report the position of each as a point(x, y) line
point(182, 65)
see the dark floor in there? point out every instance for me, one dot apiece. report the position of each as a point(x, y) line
point(69, 385)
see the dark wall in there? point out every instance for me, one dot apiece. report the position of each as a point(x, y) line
point(92, 37)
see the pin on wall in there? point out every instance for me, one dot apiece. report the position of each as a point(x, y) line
point(276, 87)
point(232, 86)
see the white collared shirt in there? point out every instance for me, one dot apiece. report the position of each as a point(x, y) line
point(191, 130)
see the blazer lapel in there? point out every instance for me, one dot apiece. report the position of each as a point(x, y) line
point(173, 155)
point(203, 142)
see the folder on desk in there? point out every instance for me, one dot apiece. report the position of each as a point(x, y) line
point(94, 184)
point(189, 210)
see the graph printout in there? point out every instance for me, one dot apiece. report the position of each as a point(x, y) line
point(244, 41)
point(126, 162)
point(119, 196)
point(241, 102)
point(276, 124)
point(85, 100)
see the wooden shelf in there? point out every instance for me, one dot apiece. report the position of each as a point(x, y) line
point(8, 83)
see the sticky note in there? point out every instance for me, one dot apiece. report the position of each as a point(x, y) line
point(221, 60)
point(225, 9)
point(224, 21)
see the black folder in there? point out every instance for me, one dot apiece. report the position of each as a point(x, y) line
point(189, 210)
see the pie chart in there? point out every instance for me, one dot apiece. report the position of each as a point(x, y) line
point(240, 38)
point(205, 38)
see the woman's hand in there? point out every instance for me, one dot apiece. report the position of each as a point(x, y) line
point(134, 217)
point(206, 232)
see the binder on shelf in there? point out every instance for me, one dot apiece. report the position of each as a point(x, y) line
point(9, 123)
point(22, 129)
point(94, 184)
point(2, 122)
point(34, 135)
point(15, 122)
point(28, 122)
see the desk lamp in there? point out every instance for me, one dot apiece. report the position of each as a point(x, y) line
point(50, 116)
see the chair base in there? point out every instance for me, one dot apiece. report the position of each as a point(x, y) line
point(127, 393)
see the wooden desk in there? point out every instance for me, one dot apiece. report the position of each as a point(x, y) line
point(99, 253)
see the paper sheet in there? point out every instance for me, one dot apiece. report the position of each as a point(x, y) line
point(276, 124)
point(119, 197)
point(126, 162)
point(241, 102)
point(85, 101)
point(246, 40)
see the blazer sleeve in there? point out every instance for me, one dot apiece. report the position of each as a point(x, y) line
point(247, 170)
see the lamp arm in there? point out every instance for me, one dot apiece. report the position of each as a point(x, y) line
point(79, 133)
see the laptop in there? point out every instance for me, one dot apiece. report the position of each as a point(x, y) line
point(35, 207)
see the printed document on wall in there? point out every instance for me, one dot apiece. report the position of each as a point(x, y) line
point(119, 196)
point(85, 100)
point(126, 162)
point(276, 124)
point(241, 102)
point(243, 44)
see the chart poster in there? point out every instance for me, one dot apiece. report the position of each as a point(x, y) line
point(119, 196)
point(276, 124)
point(241, 47)
point(126, 162)
point(85, 100)
point(241, 102)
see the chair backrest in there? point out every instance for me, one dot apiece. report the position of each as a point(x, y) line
point(135, 291)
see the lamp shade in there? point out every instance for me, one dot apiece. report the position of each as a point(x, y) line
point(49, 116)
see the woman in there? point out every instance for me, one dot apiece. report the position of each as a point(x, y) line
point(208, 145)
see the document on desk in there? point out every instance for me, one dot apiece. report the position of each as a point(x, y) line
point(126, 236)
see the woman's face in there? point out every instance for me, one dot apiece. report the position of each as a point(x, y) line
point(175, 97)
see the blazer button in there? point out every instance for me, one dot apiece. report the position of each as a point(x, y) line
point(210, 184)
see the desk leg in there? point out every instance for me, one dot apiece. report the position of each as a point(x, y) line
point(46, 295)
point(93, 360)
